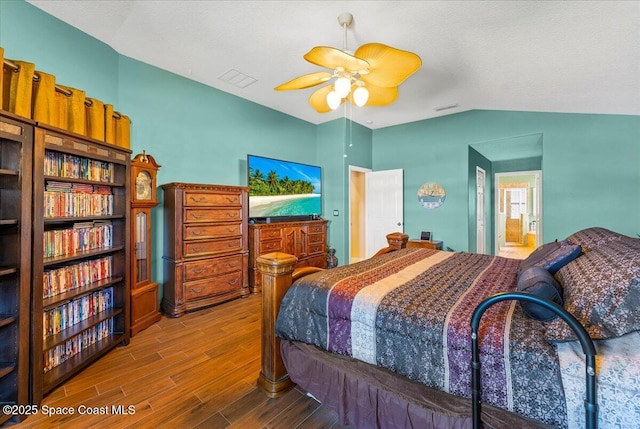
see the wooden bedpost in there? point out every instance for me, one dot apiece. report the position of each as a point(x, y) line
point(396, 241)
point(276, 269)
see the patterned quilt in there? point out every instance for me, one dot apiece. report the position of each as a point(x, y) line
point(410, 311)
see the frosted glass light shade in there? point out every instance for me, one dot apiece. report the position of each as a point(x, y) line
point(342, 86)
point(360, 96)
point(333, 100)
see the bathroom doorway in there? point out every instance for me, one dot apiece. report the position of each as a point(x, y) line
point(518, 213)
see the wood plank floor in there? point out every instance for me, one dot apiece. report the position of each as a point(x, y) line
point(195, 371)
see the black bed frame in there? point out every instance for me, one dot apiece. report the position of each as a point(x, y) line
point(590, 403)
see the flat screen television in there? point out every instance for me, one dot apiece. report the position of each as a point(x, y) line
point(283, 190)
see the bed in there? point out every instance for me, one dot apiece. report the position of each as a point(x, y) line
point(386, 342)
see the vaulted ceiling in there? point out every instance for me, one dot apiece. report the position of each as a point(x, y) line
point(551, 56)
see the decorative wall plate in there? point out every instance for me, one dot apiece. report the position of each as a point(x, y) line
point(431, 195)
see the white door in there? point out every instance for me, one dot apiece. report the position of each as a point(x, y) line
point(384, 208)
point(480, 214)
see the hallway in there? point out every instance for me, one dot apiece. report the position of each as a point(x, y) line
point(515, 251)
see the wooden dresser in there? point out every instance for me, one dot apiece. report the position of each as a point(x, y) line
point(205, 246)
point(306, 240)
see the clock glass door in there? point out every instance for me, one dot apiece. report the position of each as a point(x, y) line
point(141, 247)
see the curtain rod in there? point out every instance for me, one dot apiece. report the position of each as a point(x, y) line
point(36, 78)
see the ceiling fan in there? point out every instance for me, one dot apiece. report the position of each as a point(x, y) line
point(369, 77)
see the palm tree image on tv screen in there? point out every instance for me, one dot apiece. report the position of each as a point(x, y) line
point(283, 188)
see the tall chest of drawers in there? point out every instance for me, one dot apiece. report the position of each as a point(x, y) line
point(205, 246)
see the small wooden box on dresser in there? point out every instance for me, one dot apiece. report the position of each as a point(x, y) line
point(306, 240)
point(16, 146)
point(205, 246)
point(81, 259)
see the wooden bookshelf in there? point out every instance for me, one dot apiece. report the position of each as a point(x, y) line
point(16, 149)
point(87, 165)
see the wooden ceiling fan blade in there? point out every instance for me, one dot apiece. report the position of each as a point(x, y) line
point(318, 99)
point(325, 56)
point(378, 95)
point(305, 81)
point(389, 66)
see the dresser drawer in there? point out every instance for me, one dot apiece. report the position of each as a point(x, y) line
point(212, 215)
point(266, 234)
point(199, 232)
point(315, 248)
point(208, 199)
point(315, 229)
point(315, 238)
point(270, 246)
point(208, 247)
point(213, 286)
point(211, 267)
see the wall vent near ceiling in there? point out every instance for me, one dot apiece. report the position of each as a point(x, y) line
point(237, 78)
point(448, 106)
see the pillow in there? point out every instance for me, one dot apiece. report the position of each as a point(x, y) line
point(602, 291)
point(537, 255)
point(538, 281)
point(551, 256)
point(592, 238)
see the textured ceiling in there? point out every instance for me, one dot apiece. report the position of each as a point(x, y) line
point(551, 56)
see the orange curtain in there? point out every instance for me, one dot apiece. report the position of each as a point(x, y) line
point(123, 130)
point(43, 100)
point(109, 125)
point(2, 77)
point(94, 115)
point(76, 121)
point(18, 88)
point(61, 110)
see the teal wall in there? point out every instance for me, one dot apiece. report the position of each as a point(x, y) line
point(197, 133)
point(77, 60)
point(590, 163)
point(344, 143)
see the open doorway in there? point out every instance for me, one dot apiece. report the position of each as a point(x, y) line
point(518, 210)
point(357, 211)
point(375, 209)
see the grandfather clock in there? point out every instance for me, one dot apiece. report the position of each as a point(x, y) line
point(145, 310)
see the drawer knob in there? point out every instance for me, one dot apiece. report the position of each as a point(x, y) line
point(195, 215)
point(198, 270)
point(197, 248)
point(198, 291)
point(197, 200)
point(232, 282)
point(197, 232)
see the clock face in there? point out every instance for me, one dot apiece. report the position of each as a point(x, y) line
point(143, 186)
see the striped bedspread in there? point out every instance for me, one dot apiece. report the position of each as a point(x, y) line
point(410, 311)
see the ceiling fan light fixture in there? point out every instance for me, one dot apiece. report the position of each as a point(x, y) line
point(342, 86)
point(380, 67)
point(360, 95)
point(333, 100)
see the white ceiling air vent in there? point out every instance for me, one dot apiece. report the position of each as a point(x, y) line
point(237, 78)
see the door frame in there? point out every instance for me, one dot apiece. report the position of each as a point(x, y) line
point(537, 203)
point(481, 235)
point(352, 202)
